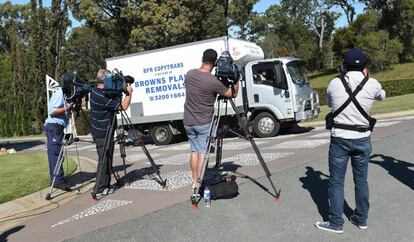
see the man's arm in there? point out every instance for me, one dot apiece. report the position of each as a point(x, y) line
point(127, 99)
point(57, 104)
point(229, 93)
point(62, 110)
point(380, 94)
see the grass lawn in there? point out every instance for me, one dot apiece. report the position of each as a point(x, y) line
point(389, 105)
point(398, 71)
point(25, 173)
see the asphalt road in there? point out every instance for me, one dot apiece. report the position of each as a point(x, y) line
point(298, 162)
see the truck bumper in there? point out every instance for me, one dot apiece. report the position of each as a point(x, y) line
point(306, 115)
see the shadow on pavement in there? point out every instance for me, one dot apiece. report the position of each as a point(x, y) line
point(295, 129)
point(5, 234)
point(399, 169)
point(21, 145)
point(241, 175)
point(316, 183)
point(80, 177)
point(136, 175)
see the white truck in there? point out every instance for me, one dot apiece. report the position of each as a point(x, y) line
point(274, 93)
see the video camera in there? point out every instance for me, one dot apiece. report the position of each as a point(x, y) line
point(74, 89)
point(226, 70)
point(115, 83)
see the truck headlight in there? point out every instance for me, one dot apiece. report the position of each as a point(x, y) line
point(299, 103)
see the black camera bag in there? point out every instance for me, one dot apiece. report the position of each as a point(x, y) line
point(329, 121)
point(224, 188)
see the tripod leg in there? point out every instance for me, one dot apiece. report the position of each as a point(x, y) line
point(140, 142)
point(219, 147)
point(162, 182)
point(123, 155)
point(56, 170)
point(212, 136)
point(256, 150)
point(102, 162)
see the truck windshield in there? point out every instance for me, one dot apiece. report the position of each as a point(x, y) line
point(297, 72)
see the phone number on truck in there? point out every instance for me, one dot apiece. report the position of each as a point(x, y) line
point(167, 96)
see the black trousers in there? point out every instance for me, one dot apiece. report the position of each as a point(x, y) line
point(103, 173)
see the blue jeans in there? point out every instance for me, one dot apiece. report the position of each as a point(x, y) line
point(340, 151)
point(197, 136)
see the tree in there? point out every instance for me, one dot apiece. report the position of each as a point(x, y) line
point(145, 25)
point(365, 33)
point(287, 35)
point(58, 23)
point(39, 61)
point(240, 16)
point(85, 51)
point(347, 6)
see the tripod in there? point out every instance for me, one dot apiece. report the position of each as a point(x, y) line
point(136, 137)
point(68, 139)
point(215, 139)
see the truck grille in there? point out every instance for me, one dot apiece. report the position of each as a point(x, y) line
point(308, 105)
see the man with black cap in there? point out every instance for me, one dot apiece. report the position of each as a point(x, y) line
point(201, 90)
point(350, 98)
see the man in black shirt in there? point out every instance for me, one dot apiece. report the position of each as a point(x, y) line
point(103, 109)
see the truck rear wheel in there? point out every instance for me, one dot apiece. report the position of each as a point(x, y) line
point(162, 135)
point(265, 125)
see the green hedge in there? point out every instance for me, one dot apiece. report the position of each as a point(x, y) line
point(392, 88)
point(83, 122)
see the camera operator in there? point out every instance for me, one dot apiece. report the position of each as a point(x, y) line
point(351, 128)
point(55, 123)
point(201, 90)
point(103, 109)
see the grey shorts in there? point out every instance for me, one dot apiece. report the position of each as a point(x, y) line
point(197, 136)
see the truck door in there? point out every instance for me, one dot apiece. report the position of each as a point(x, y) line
point(270, 89)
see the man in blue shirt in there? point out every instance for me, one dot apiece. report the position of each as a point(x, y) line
point(56, 121)
point(103, 109)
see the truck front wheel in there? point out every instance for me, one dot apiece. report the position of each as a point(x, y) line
point(265, 125)
point(162, 135)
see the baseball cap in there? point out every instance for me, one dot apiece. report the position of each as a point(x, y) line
point(355, 58)
point(210, 56)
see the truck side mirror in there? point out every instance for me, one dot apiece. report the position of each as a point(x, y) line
point(287, 94)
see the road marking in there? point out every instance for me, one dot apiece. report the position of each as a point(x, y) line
point(299, 144)
point(397, 119)
point(239, 145)
point(173, 160)
point(185, 146)
point(321, 135)
point(96, 209)
point(140, 156)
point(250, 159)
point(81, 147)
point(385, 124)
point(175, 180)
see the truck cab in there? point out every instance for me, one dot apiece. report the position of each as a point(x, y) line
point(277, 94)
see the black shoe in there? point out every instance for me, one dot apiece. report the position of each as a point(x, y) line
point(329, 227)
point(353, 220)
point(63, 186)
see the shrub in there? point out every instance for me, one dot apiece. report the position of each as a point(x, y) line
point(392, 88)
point(83, 122)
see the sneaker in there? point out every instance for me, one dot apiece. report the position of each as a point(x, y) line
point(62, 186)
point(353, 220)
point(329, 227)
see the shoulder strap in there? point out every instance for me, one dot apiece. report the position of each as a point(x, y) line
point(352, 95)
